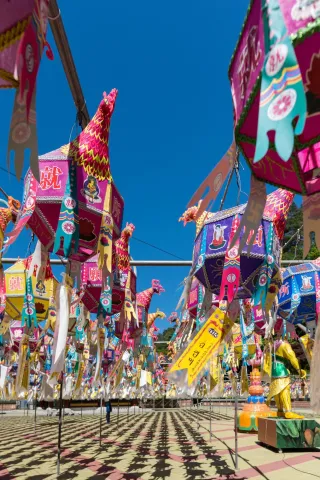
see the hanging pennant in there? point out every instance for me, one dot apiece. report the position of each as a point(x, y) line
point(3, 296)
point(105, 302)
point(251, 219)
point(106, 233)
point(203, 345)
point(129, 310)
point(265, 273)
point(29, 314)
point(68, 226)
point(231, 268)
point(214, 181)
point(26, 213)
point(282, 96)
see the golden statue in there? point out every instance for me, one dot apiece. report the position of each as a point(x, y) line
point(283, 359)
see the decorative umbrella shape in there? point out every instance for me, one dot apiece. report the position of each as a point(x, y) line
point(76, 209)
point(23, 27)
point(228, 273)
point(274, 75)
point(43, 291)
point(299, 293)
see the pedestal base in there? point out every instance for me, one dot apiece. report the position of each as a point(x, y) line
point(248, 417)
point(281, 433)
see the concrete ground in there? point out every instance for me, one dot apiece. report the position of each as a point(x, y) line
point(143, 445)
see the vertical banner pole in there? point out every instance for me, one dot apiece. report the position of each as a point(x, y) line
point(60, 424)
point(118, 415)
point(35, 408)
point(210, 419)
point(236, 430)
point(101, 419)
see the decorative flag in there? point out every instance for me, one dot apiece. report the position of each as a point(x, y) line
point(29, 314)
point(231, 268)
point(282, 96)
point(214, 181)
point(68, 226)
point(203, 345)
point(251, 219)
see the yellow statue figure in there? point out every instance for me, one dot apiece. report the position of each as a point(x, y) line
point(282, 359)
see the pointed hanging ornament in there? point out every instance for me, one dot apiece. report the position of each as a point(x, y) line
point(282, 96)
point(29, 315)
point(231, 269)
point(265, 274)
point(106, 233)
point(129, 310)
point(251, 219)
point(68, 226)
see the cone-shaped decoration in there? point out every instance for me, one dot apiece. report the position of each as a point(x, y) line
point(91, 148)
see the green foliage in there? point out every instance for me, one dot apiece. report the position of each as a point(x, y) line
point(164, 336)
point(294, 250)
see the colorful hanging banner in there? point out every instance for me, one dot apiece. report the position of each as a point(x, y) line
point(203, 345)
point(29, 315)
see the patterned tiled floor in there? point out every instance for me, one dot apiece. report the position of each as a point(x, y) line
point(153, 445)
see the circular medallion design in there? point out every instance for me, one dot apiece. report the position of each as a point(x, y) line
point(105, 302)
point(200, 260)
point(270, 259)
point(30, 202)
point(21, 133)
point(29, 297)
point(233, 253)
point(231, 277)
point(70, 202)
point(263, 280)
point(29, 311)
point(68, 227)
point(282, 105)
point(276, 59)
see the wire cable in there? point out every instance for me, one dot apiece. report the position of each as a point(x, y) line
point(297, 469)
point(157, 248)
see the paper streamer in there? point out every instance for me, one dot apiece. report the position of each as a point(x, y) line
point(63, 299)
point(214, 181)
point(282, 96)
point(203, 345)
point(251, 219)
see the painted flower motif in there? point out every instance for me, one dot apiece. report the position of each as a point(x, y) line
point(29, 311)
point(21, 132)
point(68, 227)
point(231, 277)
point(282, 105)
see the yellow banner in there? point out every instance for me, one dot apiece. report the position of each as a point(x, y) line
point(204, 344)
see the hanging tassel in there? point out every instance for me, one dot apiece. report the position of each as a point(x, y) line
point(282, 95)
point(105, 241)
point(231, 268)
point(29, 314)
point(68, 225)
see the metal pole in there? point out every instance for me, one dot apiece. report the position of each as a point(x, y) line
point(198, 412)
point(81, 411)
point(60, 425)
point(100, 420)
point(163, 401)
point(35, 409)
point(154, 403)
point(210, 420)
point(236, 430)
point(128, 411)
point(118, 415)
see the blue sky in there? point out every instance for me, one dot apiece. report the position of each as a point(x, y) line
point(173, 117)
